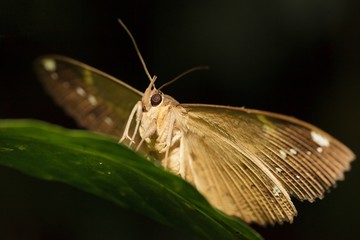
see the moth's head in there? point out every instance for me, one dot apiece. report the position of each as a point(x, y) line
point(152, 97)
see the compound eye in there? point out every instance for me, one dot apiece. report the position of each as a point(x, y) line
point(156, 99)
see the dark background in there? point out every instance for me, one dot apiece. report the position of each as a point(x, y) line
point(300, 58)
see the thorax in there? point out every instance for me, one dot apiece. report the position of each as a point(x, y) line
point(167, 126)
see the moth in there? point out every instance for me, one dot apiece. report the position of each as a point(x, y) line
point(247, 163)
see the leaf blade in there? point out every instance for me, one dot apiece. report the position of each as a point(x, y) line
point(98, 165)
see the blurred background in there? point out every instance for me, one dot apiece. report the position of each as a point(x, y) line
point(300, 58)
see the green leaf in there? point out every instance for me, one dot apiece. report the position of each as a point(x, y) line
point(97, 164)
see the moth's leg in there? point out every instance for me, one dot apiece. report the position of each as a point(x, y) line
point(128, 124)
point(148, 133)
point(138, 121)
point(182, 158)
point(169, 140)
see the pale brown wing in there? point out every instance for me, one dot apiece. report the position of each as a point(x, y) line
point(95, 99)
point(248, 162)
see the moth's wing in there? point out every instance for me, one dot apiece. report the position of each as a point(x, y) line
point(248, 162)
point(95, 99)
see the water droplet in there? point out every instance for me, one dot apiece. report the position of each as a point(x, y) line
point(109, 121)
point(319, 149)
point(293, 151)
point(21, 147)
point(49, 64)
point(5, 149)
point(80, 91)
point(320, 139)
point(282, 154)
point(276, 191)
point(54, 76)
point(92, 100)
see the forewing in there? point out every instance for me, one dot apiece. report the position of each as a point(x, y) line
point(95, 99)
point(247, 162)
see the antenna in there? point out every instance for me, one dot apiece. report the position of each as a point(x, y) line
point(136, 49)
point(183, 74)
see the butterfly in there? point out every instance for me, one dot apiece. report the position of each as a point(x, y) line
point(247, 163)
